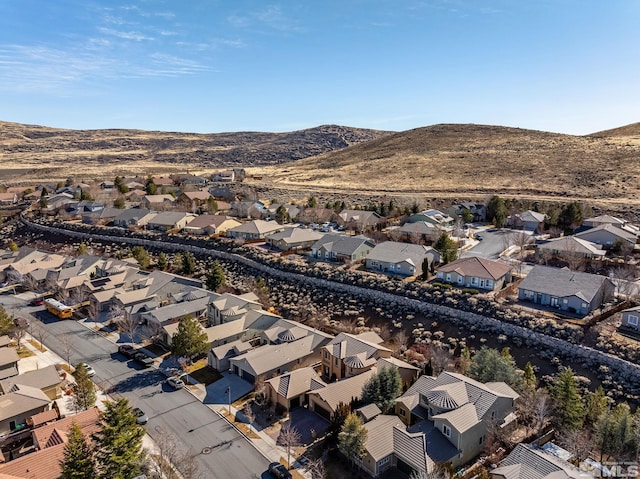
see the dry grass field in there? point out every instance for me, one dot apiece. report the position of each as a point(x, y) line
point(476, 160)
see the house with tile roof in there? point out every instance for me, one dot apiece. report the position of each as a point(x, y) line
point(350, 355)
point(527, 461)
point(447, 419)
point(475, 272)
point(342, 248)
point(400, 259)
point(567, 290)
point(289, 390)
point(50, 440)
point(192, 200)
point(379, 447)
point(325, 401)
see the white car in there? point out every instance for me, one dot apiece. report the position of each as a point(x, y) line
point(175, 383)
point(90, 371)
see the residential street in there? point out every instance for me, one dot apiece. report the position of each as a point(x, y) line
point(222, 452)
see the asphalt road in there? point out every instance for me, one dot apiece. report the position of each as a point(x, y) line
point(494, 243)
point(220, 450)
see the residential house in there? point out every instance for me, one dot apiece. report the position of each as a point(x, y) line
point(528, 220)
point(610, 220)
point(293, 238)
point(5, 341)
point(192, 200)
point(272, 359)
point(107, 185)
point(134, 185)
point(349, 355)
point(571, 247)
point(248, 209)
point(368, 412)
point(325, 401)
point(50, 440)
point(448, 419)
point(101, 217)
point(219, 356)
point(254, 230)
point(47, 379)
point(163, 181)
point(231, 307)
point(170, 220)
point(8, 363)
point(135, 196)
point(342, 248)
point(567, 290)
point(210, 225)
point(436, 217)
point(360, 220)
point(475, 272)
point(8, 199)
point(158, 202)
point(420, 232)
point(189, 179)
point(630, 318)
point(223, 193)
point(227, 176)
point(379, 447)
point(527, 461)
point(289, 390)
point(56, 202)
point(608, 236)
point(402, 259)
point(408, 373)
point(292, 210)
point(20, 403)
point(134, 217)
point(478, 210)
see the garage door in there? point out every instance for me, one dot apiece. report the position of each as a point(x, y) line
point(325, 413)
point(248, 377)
point(295, 402)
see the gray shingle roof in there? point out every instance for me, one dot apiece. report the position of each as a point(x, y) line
point(342, 244)
point(395, 252)
point(296, 382)
point(379, 442)
point(563, 283)
point(528, 462)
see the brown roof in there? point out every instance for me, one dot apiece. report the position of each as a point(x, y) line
point(43, 464)
point(43, 417)
point(87, 420)
point(197, 195)
point(478, 267)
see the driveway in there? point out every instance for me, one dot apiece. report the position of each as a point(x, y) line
point(218, 392)
point(494, 243)
point(305, 422)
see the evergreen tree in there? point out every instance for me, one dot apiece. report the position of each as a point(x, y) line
point(120, 186)
point(497, 211)
point(85, 196)
point(190, 340)
point(188, 262)
point(467, 215)
point(150, 186)
point(615, 433)
point(6, 322)
point(177, 262)
point(82, 249)
point(447, 248)
point(78, 462)
point(571, 215)
point(352, 438)
point(529, 376)
point(569, 405)
point(119, 451)
point(13, 246)
point(215, 277)
point(162, 261)
point(490, 365)
point(212, 205)
point(383, 388)
point(597, 404)
point(464, 363)
point(312, 202)
point(119, 203)
point(84, 391)
point(282, 216)
point(142, 256)
point(338, 417)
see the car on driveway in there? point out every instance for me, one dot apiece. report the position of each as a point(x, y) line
point(143, 360)
point(278, 471)
point(90, 371)
point(478, 236)
point(141, 417)
point(127, 350)
point(175, 383)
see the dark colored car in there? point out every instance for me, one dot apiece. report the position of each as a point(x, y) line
point(143, 360)
point(278, 470)
point(479, 237)
point(126, 350)
point(37, 301)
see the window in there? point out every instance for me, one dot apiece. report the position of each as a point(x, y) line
point(448, 276)
point(446, 430)
point(402, 412)
point(481, 440)
point(384, 461)
point(632, 320)
point(326, 354)
point(565, 301)
point(474, 281)
point(440, 274)
point(336, 361)
point(460, 279)
point(493, 415)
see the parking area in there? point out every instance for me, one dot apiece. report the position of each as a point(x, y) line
point(306, 423)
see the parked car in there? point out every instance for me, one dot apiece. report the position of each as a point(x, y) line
point(37, 302)
point(143, 360)
point(279, 471)
point(478, 236)
point(175, 383)
point(141, 417)
point(127, 350)
point(90, 371)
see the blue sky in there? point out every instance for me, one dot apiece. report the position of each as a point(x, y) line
point(570, 66)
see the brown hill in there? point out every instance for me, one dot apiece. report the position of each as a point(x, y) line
point(628, 130)
point(29, 151)
point(474, 161)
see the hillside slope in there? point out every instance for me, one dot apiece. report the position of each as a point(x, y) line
point(471, 160)
point(48, 152)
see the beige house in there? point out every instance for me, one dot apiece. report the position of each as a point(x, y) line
point(254, 230)
point(210, 225)
point(349, 355)
point(8, 362)
point(46, 379)
point(476, 272)
point(158, 202)
point(19, 404)
point(448, 418)
point(289, 390)
point(325, 401)
point(293, 239)
point(379, 451)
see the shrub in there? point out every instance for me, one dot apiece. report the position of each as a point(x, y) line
point(470, 291)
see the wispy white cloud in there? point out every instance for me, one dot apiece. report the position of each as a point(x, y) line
point(272, 17)
point(131, 35)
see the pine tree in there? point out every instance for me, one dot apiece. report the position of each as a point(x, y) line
point(529, 376)
point(150, 186)
point(352, 438)
point(190, 340)
point(119, 451)
point(464, 363)
point(497, 211)
point(215, 276)
point(142, 256)
point(490, 365)
point(447, 248)
point(282, 216)
point(84, 391)
point(78, 462)
point(383, 388)
point(569, 405)
point(338, 417)
point(188, 263)
point(6, 322)
point(162, 261)
point(597, 404)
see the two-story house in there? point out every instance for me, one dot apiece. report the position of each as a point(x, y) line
point(349, 355)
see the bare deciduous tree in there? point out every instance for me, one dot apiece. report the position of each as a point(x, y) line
point(247, 410)
point(316, 469)
point(441, 359)
point(289, 437)
point(128, 325)
point(170, 457)
point(67, 346)
point(624, 278)
point(579, 442)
